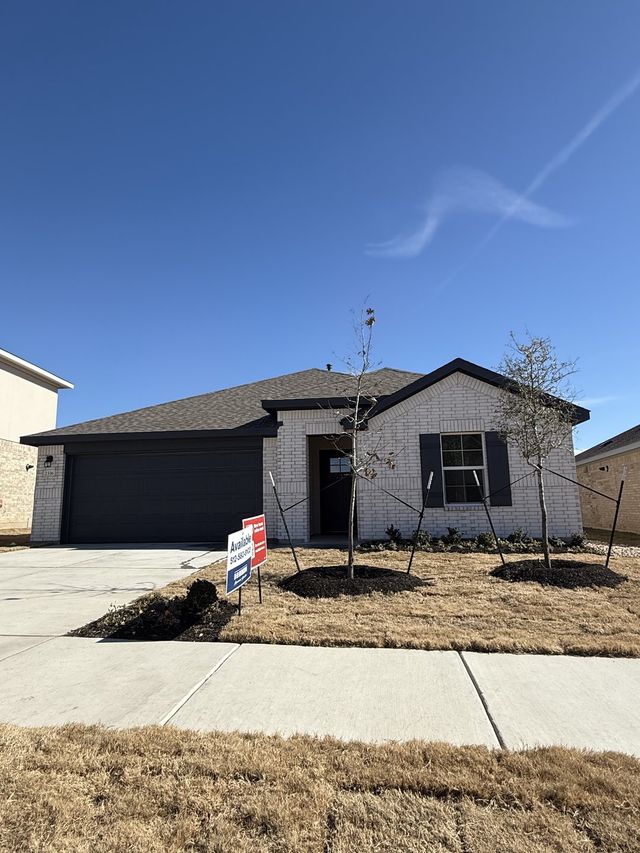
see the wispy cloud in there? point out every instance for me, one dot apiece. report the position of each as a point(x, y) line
point(593, 402)
point(459, 191)
point(566, 152)
point(498, 199)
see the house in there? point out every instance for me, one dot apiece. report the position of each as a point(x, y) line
point(600, 468)
point(190, 470)
point(28, 402)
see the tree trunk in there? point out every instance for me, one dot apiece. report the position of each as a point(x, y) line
point(543, 515)
point(352, 517)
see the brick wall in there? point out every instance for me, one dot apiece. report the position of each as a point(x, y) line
point(292, 464)
point(47, 510)
point(597, 511)
point(456, 404)
point(16, 484)
point(270, 507)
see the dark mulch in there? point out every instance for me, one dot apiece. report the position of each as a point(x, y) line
point(197, 617)
point(332, 581)
point(563, 573)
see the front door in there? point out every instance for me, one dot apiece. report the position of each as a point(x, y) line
point(335, 491)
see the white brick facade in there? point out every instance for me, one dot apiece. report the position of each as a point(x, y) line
point(458, 403)
point(47, 510)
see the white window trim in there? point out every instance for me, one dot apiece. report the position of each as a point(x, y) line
point(482, 468)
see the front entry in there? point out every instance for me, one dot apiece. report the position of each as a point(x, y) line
point(335, 491)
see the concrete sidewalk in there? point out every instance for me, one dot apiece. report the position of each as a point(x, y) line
point(372, 695)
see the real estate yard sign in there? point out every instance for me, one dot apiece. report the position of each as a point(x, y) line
point(259, 526)
point(239, 556)
point(259, 539)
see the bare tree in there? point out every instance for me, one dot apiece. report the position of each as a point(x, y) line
point(536, 408)
point(363, 456)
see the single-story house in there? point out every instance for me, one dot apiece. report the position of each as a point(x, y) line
point(600, 468)
point(28, 402)
point(190, 470)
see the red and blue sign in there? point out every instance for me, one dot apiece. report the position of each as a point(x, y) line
point(240, 551)
point(259, 525)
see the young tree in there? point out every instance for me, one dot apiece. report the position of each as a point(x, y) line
point(363, 455)
point(536, 408)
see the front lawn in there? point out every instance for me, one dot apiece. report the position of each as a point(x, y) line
point(458, 605)
point(82, 789)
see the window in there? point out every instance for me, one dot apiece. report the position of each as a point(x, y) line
point(339, 465)
point(461, 456)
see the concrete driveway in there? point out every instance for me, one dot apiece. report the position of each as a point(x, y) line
point(45, 592)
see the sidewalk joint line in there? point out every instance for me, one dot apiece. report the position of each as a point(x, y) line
point(43, 640)
point(485, 704)
point(197, 686)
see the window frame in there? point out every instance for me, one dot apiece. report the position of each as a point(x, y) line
point(483, 468)
point(344, 464)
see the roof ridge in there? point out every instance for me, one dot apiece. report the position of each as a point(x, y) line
point(201, 396)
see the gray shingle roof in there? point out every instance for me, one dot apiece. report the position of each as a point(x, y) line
point(618, 442)
point(238, 408)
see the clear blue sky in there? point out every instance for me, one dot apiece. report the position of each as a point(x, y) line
point(194, 195)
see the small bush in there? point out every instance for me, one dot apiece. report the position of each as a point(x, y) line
point(452, 536)
point(519, 537)
point(557, 542)
point(423, 540)
point(577, 540)
point(394, 534)
point(200, 596)
point(485, 540)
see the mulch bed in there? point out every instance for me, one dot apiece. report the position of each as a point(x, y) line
point(332, 581)
point(197, 617)
point(567, 574)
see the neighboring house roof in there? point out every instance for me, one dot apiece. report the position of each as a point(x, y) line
point(32, 370)
point(627, 440)
point(237, 409)
point(250, 409)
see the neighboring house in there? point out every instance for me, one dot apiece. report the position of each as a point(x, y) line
point(601, 469)
point(190, 470)
point(28, 402)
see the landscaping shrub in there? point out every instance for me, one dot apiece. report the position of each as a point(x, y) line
point(394, 534)
point(519, 537)
point(577, 540)
point(452, 537)
point(423, 541)
point(485, 541)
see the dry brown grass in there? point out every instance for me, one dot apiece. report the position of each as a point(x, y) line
point(82, 789)
point(463, 608)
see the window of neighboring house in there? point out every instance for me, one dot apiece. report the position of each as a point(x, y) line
point(461, 456)
point(339, 465)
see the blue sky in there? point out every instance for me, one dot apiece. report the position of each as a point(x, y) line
point(194, 195)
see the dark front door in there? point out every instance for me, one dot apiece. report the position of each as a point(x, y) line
point(335, 486)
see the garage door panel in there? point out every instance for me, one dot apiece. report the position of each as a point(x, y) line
point(162, 496)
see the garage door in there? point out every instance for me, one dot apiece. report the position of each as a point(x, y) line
point(182, 495)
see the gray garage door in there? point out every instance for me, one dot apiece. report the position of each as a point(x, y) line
point(181, 495)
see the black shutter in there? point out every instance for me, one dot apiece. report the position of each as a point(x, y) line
point(498, 468)
point(430, 460)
